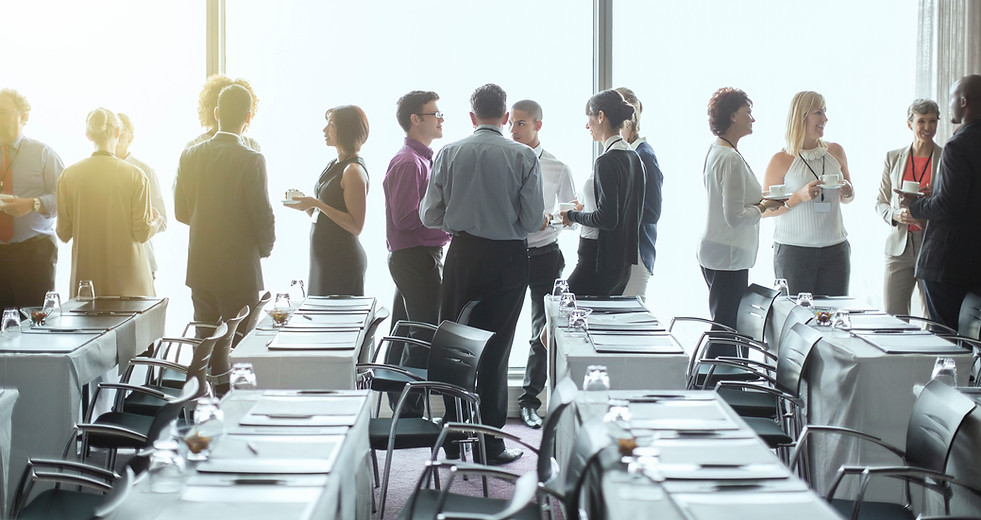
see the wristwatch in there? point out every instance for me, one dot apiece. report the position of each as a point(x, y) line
point(37, 205)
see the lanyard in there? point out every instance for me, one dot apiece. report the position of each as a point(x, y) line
point(925, 166)
point(739, 154)
point(814, 173)
point(611, 144)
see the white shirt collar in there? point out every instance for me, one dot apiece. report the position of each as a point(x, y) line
point(637, 142)
point(615, 143)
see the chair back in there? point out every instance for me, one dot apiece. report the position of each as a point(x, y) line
point(169, 412)
point(590, 440)
point(117, 495)
point(562, 396)
point(795, 348)
point(454, 356)
point(219, 354)
point(198, 368)
point(466, 313)
point(366, 350)
point(797, 315)
point(253, 319)
point(938, 413)
point(754, 309)
point(969, 320)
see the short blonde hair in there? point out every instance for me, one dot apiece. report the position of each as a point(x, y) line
point(802, 105)
point(208, 99)
point(101, 126)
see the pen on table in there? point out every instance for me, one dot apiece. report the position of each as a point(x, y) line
point(307, 317)
point(252, 448)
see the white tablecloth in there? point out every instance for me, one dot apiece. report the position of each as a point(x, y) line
point(8, 397)
point(627, 371)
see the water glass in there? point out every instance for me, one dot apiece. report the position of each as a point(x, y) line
point(567, 302)
point(596, 384)
point(841, 320)
point(780, 284)
point(560, 287)
point(86, 290)
point(282, 301)
point(298, 292)
point(805, 299)
point(577, 319)
point(10, 324)
point(945, 370)
point(166, 467)
point(52, 304)
point(243, 377)
point(208, 419)
point(618, 412)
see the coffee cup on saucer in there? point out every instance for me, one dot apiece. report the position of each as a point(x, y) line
point(831, 179)
point(291, 196)
point(566, 206)
point(911, 187)
point(778, 190)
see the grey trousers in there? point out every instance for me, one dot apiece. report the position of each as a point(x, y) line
point(899, 281)
point(817, 270)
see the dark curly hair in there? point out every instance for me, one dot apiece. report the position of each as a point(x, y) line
point(724, 103)
point(489, 102)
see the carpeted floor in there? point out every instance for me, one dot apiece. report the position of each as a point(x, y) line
point(408, 465)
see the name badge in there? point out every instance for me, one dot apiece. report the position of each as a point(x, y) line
point(822, 207)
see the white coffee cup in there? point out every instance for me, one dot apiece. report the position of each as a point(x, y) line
point(911, 187)
point(291, 195)
point(778, 190)
point(832, 179)
point(566, 206)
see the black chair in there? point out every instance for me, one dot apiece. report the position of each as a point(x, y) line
point(426, 502)
point(115, 430)
point(255, 314)
point(517, 506)
point(454, 358)
point(591, 440)
point(78, 490)
point(938, 413)
point(366, 350)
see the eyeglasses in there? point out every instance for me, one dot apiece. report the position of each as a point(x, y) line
point(438, 115)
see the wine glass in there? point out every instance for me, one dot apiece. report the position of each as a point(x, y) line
point(208, 418)
point(945, 370)
point(596, 384)
point(567, 302)
point(10, 324)
point(86, 290)
point(577, 319)
point(841, 320)
point(52, 304)
point(243, 377)
point(297, 292)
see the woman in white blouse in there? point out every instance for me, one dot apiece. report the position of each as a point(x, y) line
point(735, 206)
point(810, 248)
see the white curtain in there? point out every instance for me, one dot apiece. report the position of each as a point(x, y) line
point(948, 48)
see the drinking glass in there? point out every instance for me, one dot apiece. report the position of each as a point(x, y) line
point(841, 320)
point(577, 319)
point(567, 302)
point(805, 299)
point(243, 377)
point(86, 290)
point(298, 292)
point(10, 324)
point(52, 304)
point(596, 384)
point(780, 284)
point(560, 287)
point(207, 426)
point(282, 301)
point(945, 370)
point(166, 467)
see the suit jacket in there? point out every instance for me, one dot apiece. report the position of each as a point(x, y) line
point(221, 194)
point(887, 203)
point(951, 249)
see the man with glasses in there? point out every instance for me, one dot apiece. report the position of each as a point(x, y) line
point(486, 190)
point(545, 261)
point(29, 172)
point(416, 252)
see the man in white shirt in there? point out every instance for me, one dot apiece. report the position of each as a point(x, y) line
point(545, 261)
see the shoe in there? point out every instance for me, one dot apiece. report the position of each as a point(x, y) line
point(530, 417)
point(505, 457)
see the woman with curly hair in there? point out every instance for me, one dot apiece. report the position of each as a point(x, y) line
point(208, 101)
point(613, 201)
point(731, 238)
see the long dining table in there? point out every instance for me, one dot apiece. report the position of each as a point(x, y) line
point(316, 349)
point(284, 454)
point(864, 378)
point(51, 364)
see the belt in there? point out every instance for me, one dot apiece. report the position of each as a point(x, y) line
point(543, 250)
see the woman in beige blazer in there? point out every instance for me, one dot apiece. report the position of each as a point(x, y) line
point(104, 208)
point(906, 233)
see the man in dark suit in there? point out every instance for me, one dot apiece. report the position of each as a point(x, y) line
point(949, 259)
point(221, 194)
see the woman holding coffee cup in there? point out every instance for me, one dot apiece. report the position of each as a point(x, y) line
point(810, 248)
point(735, 206)
point(910, 169)
point(613, 200)
point(337, 260)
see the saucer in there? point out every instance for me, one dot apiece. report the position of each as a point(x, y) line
point(832, 186)
point(777, 197)
point(913, 193)
point(290, 202)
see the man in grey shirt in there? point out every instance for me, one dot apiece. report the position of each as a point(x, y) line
point(486, 190)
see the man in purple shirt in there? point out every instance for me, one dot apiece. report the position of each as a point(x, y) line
point(416, 258)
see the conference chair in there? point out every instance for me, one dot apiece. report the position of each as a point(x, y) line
point(938, 413)
point(79, 491)
point(520, 504)
point(366, 350)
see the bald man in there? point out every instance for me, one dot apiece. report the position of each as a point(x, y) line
point(949, 258)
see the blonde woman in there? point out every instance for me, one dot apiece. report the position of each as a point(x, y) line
point(810, 246)
point(104, 209)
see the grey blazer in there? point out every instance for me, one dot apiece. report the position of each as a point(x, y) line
point(888, 202)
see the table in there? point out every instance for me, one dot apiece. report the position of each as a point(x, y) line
point(310, 472)
point(729, 473)
point(852, 384)
point(308, 357)
point(8, 397)
point(49, 369)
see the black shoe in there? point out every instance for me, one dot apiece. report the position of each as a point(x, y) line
point(530, 417)
point(505, 457)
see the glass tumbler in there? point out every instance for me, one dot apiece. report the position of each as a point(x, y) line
point(166, 467)
point(10, 324)
point(86, 290)
point(805, 299)
point(243, 377)
point(567, 302)
point(780, 284)
point(560, 287)
point(52, 304)
point(945, 370)
point(596, 384)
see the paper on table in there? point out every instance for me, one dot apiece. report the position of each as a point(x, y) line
point(327, 320)
point(311, 405)
point(911, 343)
point(680, 415)
point(723, 472)
point(273, 454)
point(878, 321)
point(625, 321)
point(647, 343)
point(336, 339)
point(624, 305)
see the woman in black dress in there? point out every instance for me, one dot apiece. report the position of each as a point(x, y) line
point(337, 260)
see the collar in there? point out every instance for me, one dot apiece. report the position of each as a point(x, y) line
point(615, 143)
point(494, 128)
point(637, 142)
point(419, 148)
point(539, 150)
point(16, 144)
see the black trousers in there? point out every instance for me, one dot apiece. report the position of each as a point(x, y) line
point(725, 290)
point(27, 271)
point(944, 301)
point(545, 264)
point(585, 280)
point(496, 273)
point(417, 273)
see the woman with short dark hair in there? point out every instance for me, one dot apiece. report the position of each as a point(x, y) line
point(613, 200)
point(337, 260)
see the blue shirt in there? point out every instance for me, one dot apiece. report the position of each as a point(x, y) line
point(35, 168)
point(487, 186)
